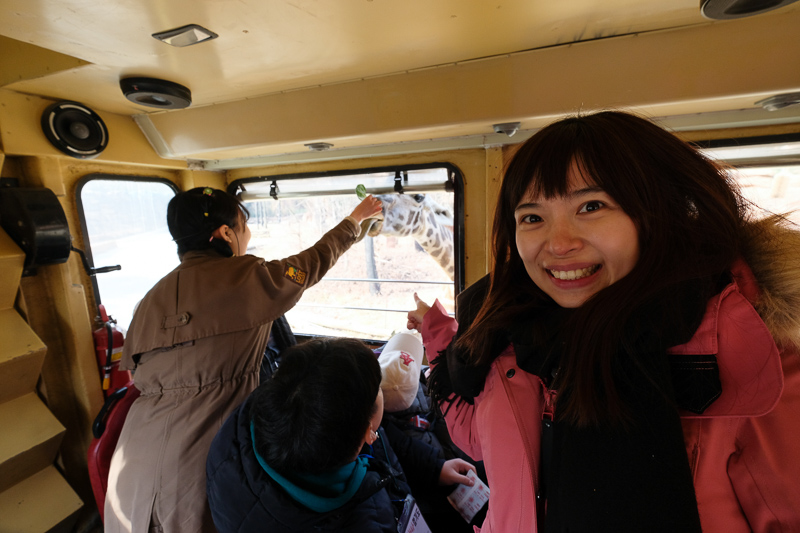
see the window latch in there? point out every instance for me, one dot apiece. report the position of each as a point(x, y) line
point(398, 181)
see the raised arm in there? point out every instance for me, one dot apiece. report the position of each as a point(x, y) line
point(288, 278)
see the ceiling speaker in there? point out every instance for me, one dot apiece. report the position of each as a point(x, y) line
point(734, 9)
point(75, 129)
point(152, 92)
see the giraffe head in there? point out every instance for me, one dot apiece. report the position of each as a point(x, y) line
point(411, 215)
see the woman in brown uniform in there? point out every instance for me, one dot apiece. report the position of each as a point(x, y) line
point(196, 342)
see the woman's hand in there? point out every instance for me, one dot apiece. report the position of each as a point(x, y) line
point(454, 471)
point(416, 316)
point(368, 208)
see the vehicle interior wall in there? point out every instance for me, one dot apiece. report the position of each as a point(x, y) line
point(57, 300)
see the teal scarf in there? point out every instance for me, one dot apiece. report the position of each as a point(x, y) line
point(319, 492)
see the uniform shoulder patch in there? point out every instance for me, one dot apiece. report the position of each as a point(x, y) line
point(295, 274)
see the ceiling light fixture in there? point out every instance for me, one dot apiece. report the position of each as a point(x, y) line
point(509, 128)
point(779, 101)
point(185, 35)
point(318, 147)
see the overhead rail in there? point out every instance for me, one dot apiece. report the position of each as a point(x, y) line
point(276, 193)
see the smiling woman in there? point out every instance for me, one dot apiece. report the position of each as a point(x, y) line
point(621, 253)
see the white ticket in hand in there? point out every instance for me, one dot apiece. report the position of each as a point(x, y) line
point(469, 500)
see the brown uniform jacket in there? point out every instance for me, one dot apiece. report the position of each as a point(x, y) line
point(197, 340)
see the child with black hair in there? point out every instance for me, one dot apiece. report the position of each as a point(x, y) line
point(196, 342)
point(288, 458)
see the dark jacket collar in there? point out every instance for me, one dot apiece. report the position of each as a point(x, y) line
point(244, 498)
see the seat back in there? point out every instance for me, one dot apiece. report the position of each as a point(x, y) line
point(106, 430)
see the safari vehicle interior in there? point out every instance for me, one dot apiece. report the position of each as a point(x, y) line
point(107, 109)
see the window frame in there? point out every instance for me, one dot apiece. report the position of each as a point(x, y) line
point(708, 146)
point(454, 184)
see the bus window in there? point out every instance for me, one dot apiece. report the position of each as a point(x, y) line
point(369, 291)
point(124, 222)
point(766, 168)
point(774, 189)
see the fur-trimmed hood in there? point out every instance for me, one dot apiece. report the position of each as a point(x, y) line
point(772, 250)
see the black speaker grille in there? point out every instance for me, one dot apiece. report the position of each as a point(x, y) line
point(75, 129)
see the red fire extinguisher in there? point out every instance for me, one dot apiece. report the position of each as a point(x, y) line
point(108, 342)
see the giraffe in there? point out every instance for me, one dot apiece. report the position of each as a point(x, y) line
point(421, 217)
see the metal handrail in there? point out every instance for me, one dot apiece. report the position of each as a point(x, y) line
point(249, 196)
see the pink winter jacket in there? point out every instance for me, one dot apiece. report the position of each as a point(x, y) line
point(744, 449)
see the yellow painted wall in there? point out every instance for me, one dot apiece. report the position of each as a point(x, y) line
point(57, 301)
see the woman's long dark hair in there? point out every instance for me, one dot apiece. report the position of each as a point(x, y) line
point(689, 218)
point(193, 215)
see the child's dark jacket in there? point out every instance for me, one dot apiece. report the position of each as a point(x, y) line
point(244, 498)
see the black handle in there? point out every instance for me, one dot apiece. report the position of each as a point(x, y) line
point(99, 425)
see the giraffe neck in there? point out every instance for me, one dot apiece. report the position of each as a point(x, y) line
point(436, 240)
